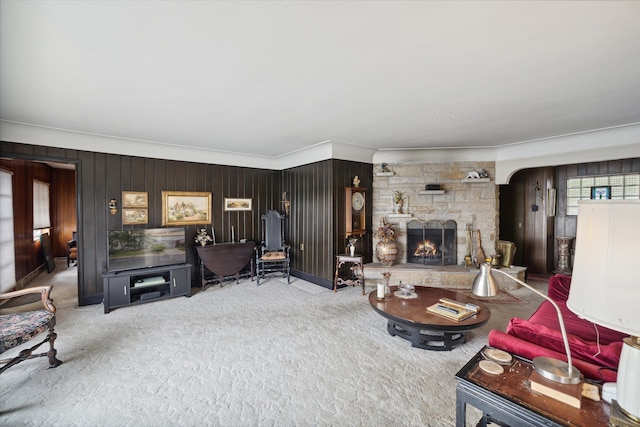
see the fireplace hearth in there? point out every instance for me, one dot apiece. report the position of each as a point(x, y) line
point(432, 242)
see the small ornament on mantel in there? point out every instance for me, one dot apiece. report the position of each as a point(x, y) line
point(356, 181)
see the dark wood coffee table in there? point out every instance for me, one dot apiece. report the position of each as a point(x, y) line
point(409, 318)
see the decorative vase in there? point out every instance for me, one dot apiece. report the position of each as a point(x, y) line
point(397, 207)
point(387, 252)
point(352, 250)
point(203, 243)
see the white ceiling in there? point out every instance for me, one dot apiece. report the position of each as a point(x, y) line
point(269, 78)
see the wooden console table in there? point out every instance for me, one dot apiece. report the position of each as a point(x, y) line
point(225, 259)
point(508, 398)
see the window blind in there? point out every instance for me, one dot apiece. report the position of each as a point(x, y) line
point(40, 205)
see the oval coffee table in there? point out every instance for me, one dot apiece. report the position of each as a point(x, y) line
point(409, 318)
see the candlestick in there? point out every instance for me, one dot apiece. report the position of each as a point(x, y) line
point(213, 235)
point(233, 236)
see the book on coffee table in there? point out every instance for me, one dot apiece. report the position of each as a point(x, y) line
point(457, 304)
point(451, 312)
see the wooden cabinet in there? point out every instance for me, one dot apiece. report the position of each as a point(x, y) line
point(145, 285)
point(355, 211)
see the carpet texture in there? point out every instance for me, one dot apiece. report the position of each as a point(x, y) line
point(241, 355)
point(503, 297)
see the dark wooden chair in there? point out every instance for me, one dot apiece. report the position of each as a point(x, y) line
point(273, 253)
point(20, 322)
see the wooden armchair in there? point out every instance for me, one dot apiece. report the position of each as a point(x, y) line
point(273, 254)
point(18, 327)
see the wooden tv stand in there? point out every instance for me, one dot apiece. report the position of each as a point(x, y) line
point(131, 287)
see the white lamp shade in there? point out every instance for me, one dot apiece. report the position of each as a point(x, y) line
point(605, 287)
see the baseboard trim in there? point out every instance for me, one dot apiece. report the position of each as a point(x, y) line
point(312, 279)
point(24, 281)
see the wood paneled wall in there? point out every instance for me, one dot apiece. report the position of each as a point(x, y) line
point(316, 221)
point(28, 254)
point(101, 177)
point(565, 225)
point(63, 209)
point(315, 191)
point(534, 232)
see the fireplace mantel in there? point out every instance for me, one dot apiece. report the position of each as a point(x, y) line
point(447, 276)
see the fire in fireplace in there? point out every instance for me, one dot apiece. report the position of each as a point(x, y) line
point(432, 242)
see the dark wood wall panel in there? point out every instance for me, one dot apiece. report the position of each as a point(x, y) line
point(565, 225)
point(316, 193)
point(28, 254)
point(101, 177)
point(539, 249)
point(63, 209)
point(344, 173)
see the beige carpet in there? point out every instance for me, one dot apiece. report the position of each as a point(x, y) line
point(503, 297)
point(242, 355)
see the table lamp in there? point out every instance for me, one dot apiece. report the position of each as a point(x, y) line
point(484, 285)
point(605, 287)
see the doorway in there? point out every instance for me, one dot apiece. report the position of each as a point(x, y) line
point(61, 177)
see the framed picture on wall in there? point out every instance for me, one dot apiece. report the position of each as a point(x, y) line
point(135, 199)
point(186, 208)
point(237, 204)
point(601, 192)
point(132, 216)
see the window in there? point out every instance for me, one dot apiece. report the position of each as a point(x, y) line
point(41, 221)
point(622, 187)
point(7, 250)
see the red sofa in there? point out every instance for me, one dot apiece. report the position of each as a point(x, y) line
point(540, 336)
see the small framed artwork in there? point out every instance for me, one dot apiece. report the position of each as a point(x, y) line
point(135, 199)
point(132, 216)
point(237, 204)
point(186, 208)
point(601, 192)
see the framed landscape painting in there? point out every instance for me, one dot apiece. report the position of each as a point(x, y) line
point(135, 199)
point(186, 208)
point(132, 216)
point(237, 204)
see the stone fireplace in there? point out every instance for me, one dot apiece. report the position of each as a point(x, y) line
point(432, 243)
point(441, 203)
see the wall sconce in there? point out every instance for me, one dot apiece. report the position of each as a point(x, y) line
point(113, 206)
point(285, 203)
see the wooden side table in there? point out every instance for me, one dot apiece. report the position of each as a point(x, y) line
point(357, 263)
point(508, 398)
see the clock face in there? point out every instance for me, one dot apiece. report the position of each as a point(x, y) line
point(357, 201)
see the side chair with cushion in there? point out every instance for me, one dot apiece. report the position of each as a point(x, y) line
point(18, 326)
point(273, 254)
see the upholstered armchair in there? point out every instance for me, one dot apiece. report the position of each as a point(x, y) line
point(72, 250)
point(24, 316)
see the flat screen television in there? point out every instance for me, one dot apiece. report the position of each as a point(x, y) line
point(146, 247)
